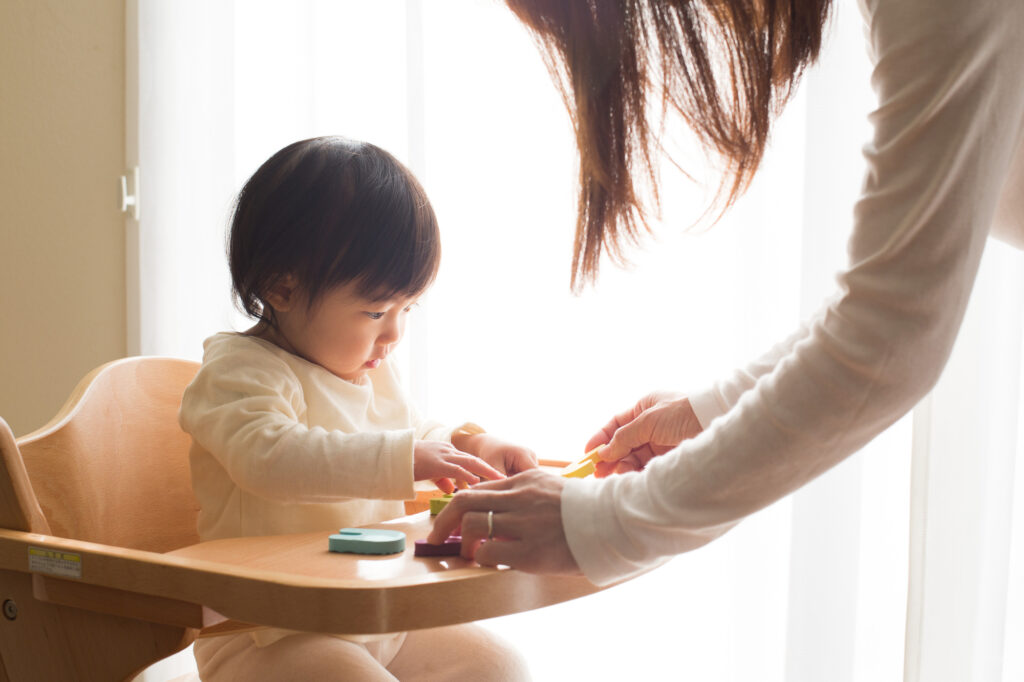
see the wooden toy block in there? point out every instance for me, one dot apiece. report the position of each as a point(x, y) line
point(450, 547)
point(585, 466)
point(367, 541)
point(439, 503)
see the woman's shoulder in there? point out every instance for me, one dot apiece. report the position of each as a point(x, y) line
point(968, 26)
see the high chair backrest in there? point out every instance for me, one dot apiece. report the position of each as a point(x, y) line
point(112, 466)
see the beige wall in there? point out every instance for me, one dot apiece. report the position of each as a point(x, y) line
point(62, 149)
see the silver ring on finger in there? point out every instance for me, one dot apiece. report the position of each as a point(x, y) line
point(490, 525)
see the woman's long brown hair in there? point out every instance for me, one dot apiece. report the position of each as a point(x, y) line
point(725, 66)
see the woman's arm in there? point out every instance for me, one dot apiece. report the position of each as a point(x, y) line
point(951, 106)
point(722, 396)
point(950, 112)
point(661, 420)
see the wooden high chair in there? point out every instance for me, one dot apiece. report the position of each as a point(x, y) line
point(102, 574)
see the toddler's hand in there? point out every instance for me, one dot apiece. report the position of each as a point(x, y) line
point(441, 462)
point(505, 456)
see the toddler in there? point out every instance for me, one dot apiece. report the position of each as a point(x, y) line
point(300, 424)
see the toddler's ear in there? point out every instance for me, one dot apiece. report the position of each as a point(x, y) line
point(282, 294)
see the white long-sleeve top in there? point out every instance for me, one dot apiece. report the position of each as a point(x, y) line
point(945, 168)
point(281, 445)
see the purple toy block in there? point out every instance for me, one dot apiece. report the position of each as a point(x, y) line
point(451, 547)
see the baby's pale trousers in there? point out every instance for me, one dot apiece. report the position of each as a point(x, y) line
point(457, 652)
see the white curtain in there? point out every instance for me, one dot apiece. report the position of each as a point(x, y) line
point(849, 579)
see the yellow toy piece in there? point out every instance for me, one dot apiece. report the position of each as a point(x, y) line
point(585, 466)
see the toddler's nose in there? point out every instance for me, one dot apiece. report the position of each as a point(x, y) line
point(389, 335)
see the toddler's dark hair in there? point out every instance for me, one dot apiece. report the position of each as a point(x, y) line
point(330, 211)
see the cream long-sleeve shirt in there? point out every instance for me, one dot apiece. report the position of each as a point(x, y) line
point(945, 169)
point(281, 445)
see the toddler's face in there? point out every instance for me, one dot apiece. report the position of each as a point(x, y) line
point(344, 334)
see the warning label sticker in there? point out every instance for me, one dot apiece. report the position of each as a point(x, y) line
point(52, 562)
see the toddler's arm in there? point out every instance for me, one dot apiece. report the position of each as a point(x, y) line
point(249, 417)
point(502, 455)
point(441, 462)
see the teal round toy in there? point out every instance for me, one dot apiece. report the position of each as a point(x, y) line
point(367, 541)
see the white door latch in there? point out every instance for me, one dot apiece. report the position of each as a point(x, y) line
point(130, 200)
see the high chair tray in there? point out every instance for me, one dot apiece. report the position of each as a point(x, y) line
point(287, 581)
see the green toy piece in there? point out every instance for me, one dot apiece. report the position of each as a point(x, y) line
point(367, 541)
point(439, 503)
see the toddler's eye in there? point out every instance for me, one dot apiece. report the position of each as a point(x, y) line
point(374, 316)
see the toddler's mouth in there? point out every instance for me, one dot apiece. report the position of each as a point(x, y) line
point(373, 364)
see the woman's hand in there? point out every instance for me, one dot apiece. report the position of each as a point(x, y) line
point(441, 462)
point(656, 424)
point(526, 526)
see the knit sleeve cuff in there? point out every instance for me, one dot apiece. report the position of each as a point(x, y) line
point(706, 406)
point(593, 532)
